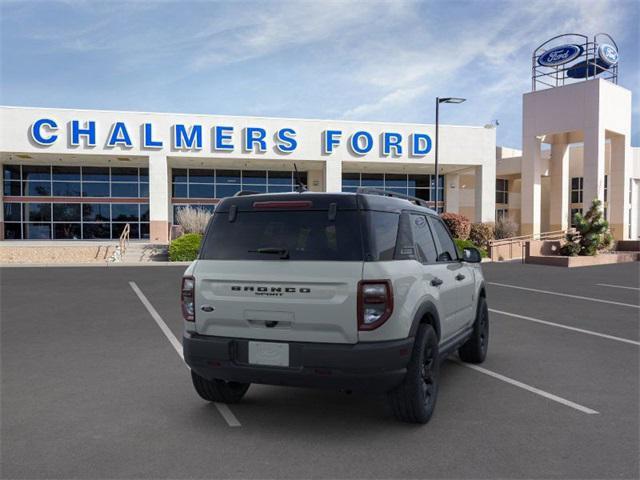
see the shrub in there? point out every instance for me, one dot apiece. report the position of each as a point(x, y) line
point(505, 228)
point(459, 225)
point(462, 244)
point(193, 220)
point(591, 235)
point(482, 233)
point(185, 248)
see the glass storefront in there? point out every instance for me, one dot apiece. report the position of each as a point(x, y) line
point(98, 202)
point(421, 186)
point(194, 186)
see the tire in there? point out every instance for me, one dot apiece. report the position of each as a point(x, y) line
point(474, 350)
point(219, 390)
point(414, 400)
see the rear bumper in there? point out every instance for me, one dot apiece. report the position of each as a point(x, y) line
point(369, 367)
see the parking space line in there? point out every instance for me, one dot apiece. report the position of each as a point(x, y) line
point(579, 297)
point(223, 409)
point(566, 327)
point(616, 286)
point(529, 388)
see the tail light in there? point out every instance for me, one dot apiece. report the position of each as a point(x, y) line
point(375, 303)
point(187, 295)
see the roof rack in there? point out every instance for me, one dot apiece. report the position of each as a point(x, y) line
point(387, 193)
point(244, 193)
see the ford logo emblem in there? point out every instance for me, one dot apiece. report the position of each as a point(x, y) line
point(560, 55)
point(608, 54)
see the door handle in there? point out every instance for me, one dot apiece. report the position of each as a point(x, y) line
point(436, 282)
point(460, 277)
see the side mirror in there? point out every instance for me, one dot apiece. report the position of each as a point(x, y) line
point(471, 255)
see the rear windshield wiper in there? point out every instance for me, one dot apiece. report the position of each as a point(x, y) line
point(283, 252)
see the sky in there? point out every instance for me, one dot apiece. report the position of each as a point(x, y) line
point(345, 60)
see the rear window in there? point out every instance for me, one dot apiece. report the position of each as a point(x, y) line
point(303, 234)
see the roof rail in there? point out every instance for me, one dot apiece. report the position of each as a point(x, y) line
point(387, 193)
point(244, 193)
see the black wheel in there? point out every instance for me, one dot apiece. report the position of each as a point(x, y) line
point(474, 350)
point(415, 398)
point(219, 390)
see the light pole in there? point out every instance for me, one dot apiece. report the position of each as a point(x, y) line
point(438, 102)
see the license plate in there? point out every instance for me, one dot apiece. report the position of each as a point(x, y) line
point(269, 353)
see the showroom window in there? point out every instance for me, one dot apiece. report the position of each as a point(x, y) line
point(208, 184)
point(421, 186)
point(96, 203)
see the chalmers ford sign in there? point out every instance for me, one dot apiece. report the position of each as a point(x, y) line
point(220, 138)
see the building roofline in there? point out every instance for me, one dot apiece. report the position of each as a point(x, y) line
point(20, 107)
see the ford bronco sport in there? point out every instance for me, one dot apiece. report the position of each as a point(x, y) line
point(357, 291)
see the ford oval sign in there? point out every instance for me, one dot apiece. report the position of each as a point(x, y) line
point(608, 54)
point(560, 55)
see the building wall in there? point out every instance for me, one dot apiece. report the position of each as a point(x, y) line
point(152, 140)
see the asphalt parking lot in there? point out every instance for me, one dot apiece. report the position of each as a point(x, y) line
point(92, 387)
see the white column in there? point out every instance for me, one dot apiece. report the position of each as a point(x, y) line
point(158, 198)
point(452, 195)
point(485, 191)
point(559, 204)
point(619, 186)
point(531, 172)
point(333, 175)
point(593, 166)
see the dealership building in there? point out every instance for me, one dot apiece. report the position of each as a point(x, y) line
point(85, 174)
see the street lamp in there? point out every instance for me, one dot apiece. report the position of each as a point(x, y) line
point(438, 102)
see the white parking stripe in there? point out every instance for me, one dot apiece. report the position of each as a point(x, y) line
point(566, 327)
point(529, 388)
point(224, 409)
point(590, 299)
point(617, 286)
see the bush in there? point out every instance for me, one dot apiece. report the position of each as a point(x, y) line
point(462, 244)
point(482, 233)
point(185, 248)
point(193, 220)
point(459, 225)
point(591, 235)
point(505, 228)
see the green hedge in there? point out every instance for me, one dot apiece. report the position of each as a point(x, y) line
point(185, 248)
point(462, 244)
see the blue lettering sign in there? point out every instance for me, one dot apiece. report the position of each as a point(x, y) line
point(89, 132)
point(255, 136)
point(37, 134)
point(147, 138)
point(119, 136)
point(286, 142)
point(392, 140)
point(421, 144)
point(221, 137)
point(187, 139)
point(357, 146)
point(331, 140)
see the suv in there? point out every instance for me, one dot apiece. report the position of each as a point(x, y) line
point(357, 291)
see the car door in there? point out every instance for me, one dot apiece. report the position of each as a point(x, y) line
point(438, 279)
point(460, 290)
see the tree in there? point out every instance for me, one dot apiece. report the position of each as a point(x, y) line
point(591, 235)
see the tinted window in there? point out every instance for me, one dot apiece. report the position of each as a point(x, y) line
point(66, 189)
point(446, 248)
point(66, 173)
point(92, 212)
point(383, 231)
point(124, 174)
point(11, 172)
point(129, 190)
point(12, 212)
point(124, 212)
point(422, 239)
point(95, 189)
point(36, 172)
point(306, 235)
point(66, 212)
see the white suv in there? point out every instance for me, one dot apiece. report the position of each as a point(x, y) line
point(354, 291)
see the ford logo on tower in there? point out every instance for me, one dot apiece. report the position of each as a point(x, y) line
point(560, 55)
point(608, 54)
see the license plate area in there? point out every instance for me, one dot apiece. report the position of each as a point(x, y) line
point(269, 353)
